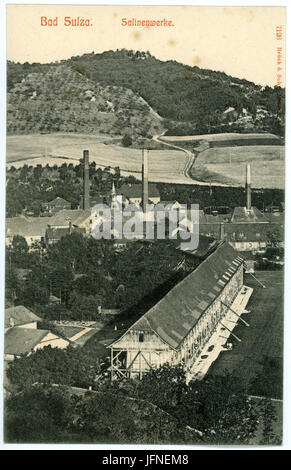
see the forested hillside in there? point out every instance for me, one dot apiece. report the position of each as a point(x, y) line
point(190, 99)
point(61, 99)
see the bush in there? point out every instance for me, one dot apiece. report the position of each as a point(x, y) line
point(126, 140)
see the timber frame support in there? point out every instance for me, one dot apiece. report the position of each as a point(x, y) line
point(119, 370)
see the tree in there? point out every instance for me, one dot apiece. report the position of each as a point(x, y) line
point(72, 366)
point(12, 283)
point(19, 251)
point(273, 237)
point(218, 406)
point(85, 307)
point(165, 386)
point(38, 414)
point(126, 140)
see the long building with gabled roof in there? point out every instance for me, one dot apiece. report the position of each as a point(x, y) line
point(176, 329)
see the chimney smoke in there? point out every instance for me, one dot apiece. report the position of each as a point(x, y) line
point(145, 184)
point(248, 187)
point(86, 184)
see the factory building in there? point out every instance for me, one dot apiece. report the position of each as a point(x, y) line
point(247, 229)
point(177, 328)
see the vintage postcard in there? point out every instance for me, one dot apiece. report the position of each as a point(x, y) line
point(145, 208)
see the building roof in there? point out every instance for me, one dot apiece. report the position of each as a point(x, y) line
point(135, 190)
point(177, 313)
point(32, 227)
point(242, 215)
point(166, 203)
point(77, 217)
point(57, 233)
point(22, 340)
point(58, 201)
point(247, 232)
point(275, 217)
point(253, 232)
point(210, 218)
point(20, 314)
point(76, 334)
point(206, 245)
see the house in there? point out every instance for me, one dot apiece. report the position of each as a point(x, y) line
point(177, 328)
point(19, 341)
point(32, 229)
point(253, 237)
point(77, 335)
point(241, 215)
point(133, 193)
point(167, 205)
point(56, 205)
point(53, 235)
point(20, 317)
point(78, 218)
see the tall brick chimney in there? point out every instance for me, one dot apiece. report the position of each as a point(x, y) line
point(145, 183)
point(221, 231)
point(248, 187)
point(86, 183)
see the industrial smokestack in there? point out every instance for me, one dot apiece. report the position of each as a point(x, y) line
point(86, 184)
point(145, 183)
point(248, 187)
point(221, 231)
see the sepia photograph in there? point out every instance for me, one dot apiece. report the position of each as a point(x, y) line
point(144, 225)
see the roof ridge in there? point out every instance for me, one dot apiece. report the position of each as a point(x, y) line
point(155, 306)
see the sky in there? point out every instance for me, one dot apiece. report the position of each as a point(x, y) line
point(240, 41)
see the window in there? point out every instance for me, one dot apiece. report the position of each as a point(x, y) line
point(141, 337)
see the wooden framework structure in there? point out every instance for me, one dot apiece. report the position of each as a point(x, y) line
point(177, 328)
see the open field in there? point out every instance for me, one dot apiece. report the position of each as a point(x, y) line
point(222, 137)
point(267, 164)
point(56, 149)
point(220, 165)
point(264, 336)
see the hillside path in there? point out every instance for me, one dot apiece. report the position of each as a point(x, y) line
point(190, 158)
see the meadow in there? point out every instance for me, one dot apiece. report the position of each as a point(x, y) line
point(220, 165)
point(267, 164)
point(264, 336)
point(55, 149)
point(222, 137)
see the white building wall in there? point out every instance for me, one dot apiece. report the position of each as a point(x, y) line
point(199, 335)
point(52, 340)
point(32, 325)
point(153, 351)
point(139, 355)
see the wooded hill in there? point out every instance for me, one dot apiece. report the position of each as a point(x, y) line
point(61, 99)
point(190, 98)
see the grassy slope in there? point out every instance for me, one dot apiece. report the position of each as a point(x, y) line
point(267, 164)
point(264, 337)
point(164, 165)
point(62, 99)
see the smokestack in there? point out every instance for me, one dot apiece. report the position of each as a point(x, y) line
point(145, 184)
point(221, 231)
point(86, 184)
point(248, 187)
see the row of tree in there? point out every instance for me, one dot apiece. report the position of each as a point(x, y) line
point(85, 273)
point(29, 187)
point(159, 409)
